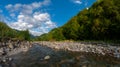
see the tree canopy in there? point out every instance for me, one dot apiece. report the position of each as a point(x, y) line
point(100, 22)
point(7, 32)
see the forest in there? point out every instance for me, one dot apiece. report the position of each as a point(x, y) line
point(100, 22)
point(8, 33)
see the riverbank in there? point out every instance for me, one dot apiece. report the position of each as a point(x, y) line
point(98, 48)
point(9, 48)
point(45, 53)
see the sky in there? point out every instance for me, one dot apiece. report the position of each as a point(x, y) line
point(40, 16)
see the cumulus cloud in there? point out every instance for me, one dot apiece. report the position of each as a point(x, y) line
point(8, 6)
point(77, 1)
point(37, 20)
point(26, 8)
point(28, 17)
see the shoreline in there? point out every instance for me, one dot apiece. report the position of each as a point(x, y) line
point(98, 48)
point(11, 50)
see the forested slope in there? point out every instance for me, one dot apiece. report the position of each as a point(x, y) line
point(7, 33)
point(100, 22)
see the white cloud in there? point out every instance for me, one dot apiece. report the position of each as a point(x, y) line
point(28, 17)
point(36, 33)
point(9, 6)
point(17, 6)
point(39, 21)
point(26, 8)
point(12, 15)
point(41, 17)
point(77, 1)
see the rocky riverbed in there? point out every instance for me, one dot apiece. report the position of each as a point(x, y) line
point(58, 54)
point(9, 48)
point(94, 47)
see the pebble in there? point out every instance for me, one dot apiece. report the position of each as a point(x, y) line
point(4, 60)
point(9, 59)
point(47, 57)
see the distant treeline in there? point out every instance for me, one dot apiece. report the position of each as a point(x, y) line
point(6, 33)
point(100, 22)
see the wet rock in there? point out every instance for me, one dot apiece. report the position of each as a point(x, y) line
point(47, 57)
point(10, 59)
point(4, 60)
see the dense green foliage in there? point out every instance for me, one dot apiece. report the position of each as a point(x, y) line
point(100, 22)
point(7, 32)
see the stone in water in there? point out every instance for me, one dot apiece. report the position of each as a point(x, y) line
point(47, 57)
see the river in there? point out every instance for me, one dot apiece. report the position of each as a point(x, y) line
point(43, 56)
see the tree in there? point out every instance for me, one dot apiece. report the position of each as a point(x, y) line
point(100, 22)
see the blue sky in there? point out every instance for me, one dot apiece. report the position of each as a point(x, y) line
point(40, 16)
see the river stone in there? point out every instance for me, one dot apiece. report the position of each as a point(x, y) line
point(4, 60)
point(56, 47)
point(9, 59)
point(10, 46)
point(47, 57)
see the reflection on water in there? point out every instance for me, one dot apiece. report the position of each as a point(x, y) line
point(35, 57)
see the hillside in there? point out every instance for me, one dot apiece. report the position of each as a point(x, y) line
point(6, 32)
point(100, 22)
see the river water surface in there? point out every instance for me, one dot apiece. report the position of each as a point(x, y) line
point(35, 57)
